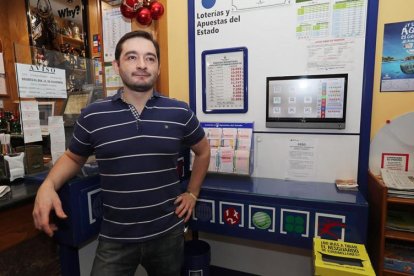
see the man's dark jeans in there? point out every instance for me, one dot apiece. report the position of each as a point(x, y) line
point(160, 257)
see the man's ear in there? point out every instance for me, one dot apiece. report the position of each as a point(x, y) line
point(115, 66)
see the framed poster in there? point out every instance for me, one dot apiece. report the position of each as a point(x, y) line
point(397, 67)
point(224, 80)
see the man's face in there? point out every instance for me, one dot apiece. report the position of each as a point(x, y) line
point(138, 64)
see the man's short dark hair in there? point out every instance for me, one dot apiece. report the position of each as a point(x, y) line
point(134, 34)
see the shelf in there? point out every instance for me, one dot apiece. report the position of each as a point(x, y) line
point(399, 235)
point(401, 200)
point(67, 39)
point(389, 272)
point(78, 70)
point(380, 202)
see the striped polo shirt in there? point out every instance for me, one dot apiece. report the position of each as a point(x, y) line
point(137, 157)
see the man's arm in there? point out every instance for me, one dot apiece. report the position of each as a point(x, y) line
point(188, 199)
point(47, 198)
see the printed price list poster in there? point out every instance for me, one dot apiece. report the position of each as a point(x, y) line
point(313, 21)
point(114, 26)
point(348, 18)
point(224, 81)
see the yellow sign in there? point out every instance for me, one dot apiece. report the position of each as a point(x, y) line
point(340, 258)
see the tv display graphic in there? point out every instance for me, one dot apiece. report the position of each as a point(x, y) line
point(311, 101)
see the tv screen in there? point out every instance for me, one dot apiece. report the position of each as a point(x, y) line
point(312, 101)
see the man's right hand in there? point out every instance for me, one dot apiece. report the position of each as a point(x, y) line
point(47, 200)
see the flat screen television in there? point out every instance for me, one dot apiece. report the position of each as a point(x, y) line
point(312, 101)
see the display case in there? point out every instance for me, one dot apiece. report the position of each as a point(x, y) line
point(49, 90)
point(52, 23)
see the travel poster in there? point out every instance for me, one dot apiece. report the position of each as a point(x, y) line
point(397, 68)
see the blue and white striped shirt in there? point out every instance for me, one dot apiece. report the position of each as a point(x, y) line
point(137, 156)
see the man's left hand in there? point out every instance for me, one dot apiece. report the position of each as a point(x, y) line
point(185, 205)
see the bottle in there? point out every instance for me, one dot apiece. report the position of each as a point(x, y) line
point(7, 118)
point(15, 126)
point(3, 123)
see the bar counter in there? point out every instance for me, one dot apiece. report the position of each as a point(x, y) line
point(16, 223)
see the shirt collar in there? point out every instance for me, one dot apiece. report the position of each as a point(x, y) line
point(118, 95)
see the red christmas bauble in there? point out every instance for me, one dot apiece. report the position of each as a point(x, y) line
point(144, 16)
point(127, 11)
point(134, 4)
point(147, 3)
point(157, 10)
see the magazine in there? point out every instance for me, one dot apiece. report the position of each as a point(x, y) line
point(398, 180)
point(400, 220)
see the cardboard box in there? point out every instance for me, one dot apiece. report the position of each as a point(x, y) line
point(33, 158)
point(340, 258)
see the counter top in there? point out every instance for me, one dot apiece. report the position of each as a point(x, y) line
point(278, 188)
point(22, 191)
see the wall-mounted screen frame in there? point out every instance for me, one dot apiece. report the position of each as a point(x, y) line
point(308, 101)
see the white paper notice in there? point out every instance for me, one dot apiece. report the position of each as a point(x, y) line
point(395, 161)
point(301, 158)
point(3, 85)
point(229, 137)
point(244, 138)
point(213, 160)
point(226, 160)
point(2, 71)
point(112, 78)
point(29, 105)
point(32, 134)
point(57, 137)
point(36, 81)
point(214, 136)
point(114, 26)
point(30, 121)
point(241, 162)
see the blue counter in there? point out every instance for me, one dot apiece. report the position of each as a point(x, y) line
point(82, 204)
point(278, 211)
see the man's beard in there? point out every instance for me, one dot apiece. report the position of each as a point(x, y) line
point(139, 87)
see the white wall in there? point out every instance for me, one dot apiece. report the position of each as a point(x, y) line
point(276, 48)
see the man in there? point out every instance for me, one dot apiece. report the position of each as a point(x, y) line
point(136, 136)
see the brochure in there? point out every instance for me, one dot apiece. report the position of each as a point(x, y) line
point(398, 180)
point(400, 220)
